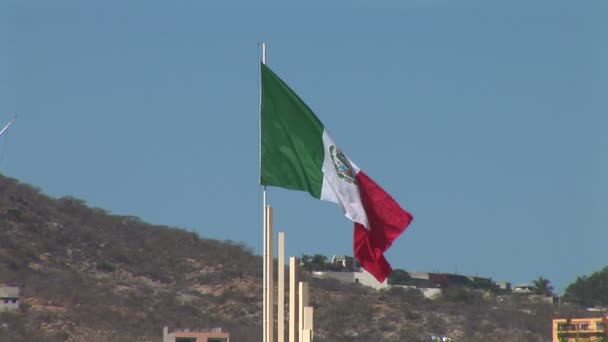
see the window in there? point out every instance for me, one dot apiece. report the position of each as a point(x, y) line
point(585, 326)
point(599, 326)
point(562, 327)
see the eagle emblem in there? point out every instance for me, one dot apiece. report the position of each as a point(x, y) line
point(342, 165)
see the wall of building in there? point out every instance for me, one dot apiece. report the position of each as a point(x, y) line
point(522, 288)
point(9, 298)
point(419, 275)
point(9, 292)
point(9, 304)
point(345, 277)
point(504, 285)
point(364, 278)
point(579, 329)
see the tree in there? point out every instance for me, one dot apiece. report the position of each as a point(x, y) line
point(542, 287)
point(306, 262)
point(315, 262)
point(319, 262)
point(589, 290)
point(398, 277)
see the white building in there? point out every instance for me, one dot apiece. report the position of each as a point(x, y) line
point(9, 298)
point(522, 288)
point(362, 277)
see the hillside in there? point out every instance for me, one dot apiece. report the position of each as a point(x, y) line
point(90, 276)
point(97, 277)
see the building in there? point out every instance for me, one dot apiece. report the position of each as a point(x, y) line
point(347, 263)
point(580, 329)
point(190, 335)
point(427, 292)
point(522, 288)
point(420, 275)
point(504, 285)
point(9, 298)
point(363, 277)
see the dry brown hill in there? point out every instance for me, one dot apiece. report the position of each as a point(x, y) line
point(90, 276)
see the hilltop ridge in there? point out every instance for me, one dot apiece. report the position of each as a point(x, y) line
point(86, 275)
point(85, 272)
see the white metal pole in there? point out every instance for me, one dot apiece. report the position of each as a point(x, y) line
point(264, 219)
point(292, 299)
point(270, 280)
point(265, 270)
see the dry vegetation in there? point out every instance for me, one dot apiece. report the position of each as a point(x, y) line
point(90, 276)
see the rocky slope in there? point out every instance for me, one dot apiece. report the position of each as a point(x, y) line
point(89, 276)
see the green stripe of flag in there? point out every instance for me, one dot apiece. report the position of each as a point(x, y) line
point(291, 138)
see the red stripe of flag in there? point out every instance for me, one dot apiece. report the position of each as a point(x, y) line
point(387, 221)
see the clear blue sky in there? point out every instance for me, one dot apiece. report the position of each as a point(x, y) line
point(487, 120)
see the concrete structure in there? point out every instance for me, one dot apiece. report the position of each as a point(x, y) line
point(345, 277)
point(307, 332)
point(292, 299)
point(188, 335)
point(522, 288)
point(365, 278)
point(9, 298)
point(427, 292)
point(302, 303)
point(362, 277)
point(420, 275)
point(348, 263)
point(281, 288)
point(504, 285)
point(542, 299)
point(580, 329)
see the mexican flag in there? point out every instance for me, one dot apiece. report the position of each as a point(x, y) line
point(298, 153)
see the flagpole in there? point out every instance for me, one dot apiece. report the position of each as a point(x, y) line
point(265, 269)
point(264, 224)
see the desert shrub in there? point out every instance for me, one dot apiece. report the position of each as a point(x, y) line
point(328, 284)
point(105, 266)
point(591, 290)
point(406, 295)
